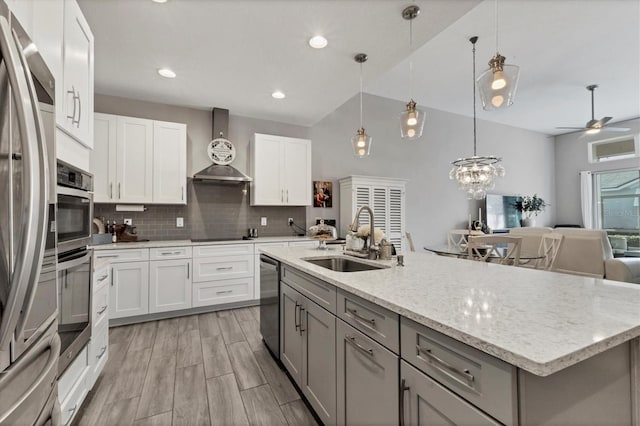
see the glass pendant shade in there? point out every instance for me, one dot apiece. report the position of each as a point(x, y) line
point(361, 143)
point(411, 122)
point(498, 84)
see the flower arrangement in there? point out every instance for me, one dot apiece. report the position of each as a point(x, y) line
point(364, 232)
point(530, 205)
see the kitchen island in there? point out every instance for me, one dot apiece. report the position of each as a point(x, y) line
point(572, 341)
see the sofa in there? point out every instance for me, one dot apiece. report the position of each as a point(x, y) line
point(584, 252)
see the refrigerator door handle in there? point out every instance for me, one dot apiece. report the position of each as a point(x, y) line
point(43, 188)
point(53, 345)
point(25, 254)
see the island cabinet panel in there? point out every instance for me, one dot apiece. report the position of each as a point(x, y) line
point(594, 391)
point(322, 293)
point(485, 381)
point(318, 329)
point(367, 379)
point(290, 335)
point(426, 402)
point(378, 323)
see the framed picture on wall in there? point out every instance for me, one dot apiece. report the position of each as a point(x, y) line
point(322, 194)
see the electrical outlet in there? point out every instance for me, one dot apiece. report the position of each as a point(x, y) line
point(128, 222)
point(179, 222)
point(263, 221)
point(290, 221)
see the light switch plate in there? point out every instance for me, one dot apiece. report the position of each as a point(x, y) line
point(179, 222)
point(263, 221)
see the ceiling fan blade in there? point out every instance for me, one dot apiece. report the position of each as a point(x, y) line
point(615, 129)
point(572, 128)
point(604, 120)
point(591, 124)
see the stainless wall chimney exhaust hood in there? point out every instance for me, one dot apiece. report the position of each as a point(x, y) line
point(221, 152)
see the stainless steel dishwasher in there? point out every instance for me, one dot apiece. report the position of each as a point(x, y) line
point(270, 304)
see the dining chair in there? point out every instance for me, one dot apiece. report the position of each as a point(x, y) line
point(504, 250)
point(458, 237)
point(549, 248)
point(410, 241)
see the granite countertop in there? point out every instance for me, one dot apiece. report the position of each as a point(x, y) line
point(539, 321)
point(182, 243)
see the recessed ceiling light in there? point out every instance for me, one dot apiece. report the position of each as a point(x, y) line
point(318, 42)
point(167, 73)
point(159, 1)
point(278, 95)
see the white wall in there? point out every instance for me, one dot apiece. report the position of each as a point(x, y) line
point(434, 204)
point(572, 157)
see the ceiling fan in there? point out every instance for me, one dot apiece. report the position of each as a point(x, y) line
point(594, 126)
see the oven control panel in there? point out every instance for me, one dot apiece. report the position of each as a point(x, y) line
point(74, 178)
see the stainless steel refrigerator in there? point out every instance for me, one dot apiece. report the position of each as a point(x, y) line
point(29, 342)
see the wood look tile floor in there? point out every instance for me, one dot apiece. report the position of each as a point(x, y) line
point(207, 369)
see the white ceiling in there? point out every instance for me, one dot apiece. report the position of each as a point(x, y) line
point(234, 53)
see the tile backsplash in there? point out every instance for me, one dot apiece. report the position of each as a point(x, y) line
point(212, 211)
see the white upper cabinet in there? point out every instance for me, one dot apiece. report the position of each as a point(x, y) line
point(281, 171)
point(76, 117)
point(169, 163)
point(136, 160)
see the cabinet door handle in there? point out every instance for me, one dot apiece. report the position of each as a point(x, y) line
point(111, 190)
point(302, 330)
point(188, 269)
point(224, 268)
point(287, 195)
point(118, 190)
point(79, 110)
point(182, 192)
point(362, 349)
point(102, 351)
point(101, 310)
point(355, 313)
point(295, 315)
point(72, 92)
point(112, 278)
point(282, 195)
point(169, 253)
point(450, 368)
point(403, 389)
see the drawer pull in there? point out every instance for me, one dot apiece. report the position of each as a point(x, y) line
point(102, 351)
point(352, 340)
point(108, 256)
point(102, 278)
point(169, 253)
point(101, 310)
point(464, 373)
point(224, 291)
point(355, 313)
point(224, 268)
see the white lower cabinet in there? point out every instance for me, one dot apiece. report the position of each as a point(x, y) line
point(99, 343)
point(425, 402)
point(129, 293)
point(72, 386)
point(169, 285)
point(224, 291)
point(367, 379)
point(98, 353)
point(308, 347)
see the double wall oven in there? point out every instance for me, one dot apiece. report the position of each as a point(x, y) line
point(74, 218)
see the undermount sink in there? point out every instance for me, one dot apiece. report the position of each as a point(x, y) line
point(343, 264)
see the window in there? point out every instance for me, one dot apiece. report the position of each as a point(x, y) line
point(617, 195)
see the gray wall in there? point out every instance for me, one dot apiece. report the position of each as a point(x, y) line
point(571, 153)
point(434, 204)
point(213, 211)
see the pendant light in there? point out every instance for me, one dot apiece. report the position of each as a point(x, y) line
point(499, 83)
point(412, 119)
point(475, 175)
point(361, 142)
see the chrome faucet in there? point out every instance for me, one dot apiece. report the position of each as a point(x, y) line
point(372, 248)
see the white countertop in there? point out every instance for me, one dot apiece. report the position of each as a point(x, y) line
point(182, 243)
point(539, 321)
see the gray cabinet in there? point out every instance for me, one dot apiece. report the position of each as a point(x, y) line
point(426, 402)
point(307, 350)
point(367, 379)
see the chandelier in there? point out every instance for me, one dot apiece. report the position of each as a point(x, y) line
point(475, 175)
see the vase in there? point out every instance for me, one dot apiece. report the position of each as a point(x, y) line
point(528, 222)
